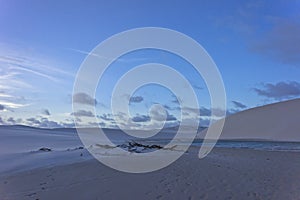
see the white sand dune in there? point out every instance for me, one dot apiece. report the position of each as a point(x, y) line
point(274, 122)
point(19, 148)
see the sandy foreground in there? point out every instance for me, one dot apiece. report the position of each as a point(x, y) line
point(68, 171)
point(223, 174)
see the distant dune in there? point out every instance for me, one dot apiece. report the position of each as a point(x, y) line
point(278, 122)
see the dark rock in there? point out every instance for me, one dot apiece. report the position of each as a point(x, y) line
point(45, 149)
point(133, 146)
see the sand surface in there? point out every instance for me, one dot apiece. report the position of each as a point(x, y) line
point(224, 174)
point(273, 122)
point(68, 171)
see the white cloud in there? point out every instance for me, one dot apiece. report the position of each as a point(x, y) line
point(12, 105)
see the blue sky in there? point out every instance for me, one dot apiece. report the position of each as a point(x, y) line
point(43, 43)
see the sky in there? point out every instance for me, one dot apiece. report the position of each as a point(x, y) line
point(43, 44)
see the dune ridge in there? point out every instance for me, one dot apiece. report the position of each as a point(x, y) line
point(272, 122)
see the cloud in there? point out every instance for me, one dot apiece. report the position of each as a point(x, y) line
point(206, 112)
point(11, 80)
point(21, 71)
point(46, 112)
point(83, 113)
point(106, 117)
point(36, 122)
point(281, 42)
point(273, 34)
point(102, 124)
point(13, 121)
point(158, 113)
point(11, 104)
point(170, 117)
point(191, 111)
point(10, 121)
point(10, 83)
point(33, 121)
point(67, 125)
point(4, 95)
point(176, 99)
point(136, 99)
point(43, 123)
point(280, 90)
point(107, 58)
point(239, 104)
point(83, 98)
point(22, 61)
point(171, 108)
point(24, 69)
point(141, 118)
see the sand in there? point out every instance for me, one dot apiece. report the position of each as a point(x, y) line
point(273, 122)
point(223, 174)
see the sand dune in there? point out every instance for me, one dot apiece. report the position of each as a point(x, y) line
point(278, 121)
point(68, 171)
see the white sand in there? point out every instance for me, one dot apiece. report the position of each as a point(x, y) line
point(224, 174)
point(19, 148)
point(279, 122)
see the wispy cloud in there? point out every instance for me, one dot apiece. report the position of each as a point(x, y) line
point(107, 58)
point(24, 69)
point(12, 105)
point(15, 62)
point(25, 73)
point(87, 53)
point(34, 63)
point(3, 95)
point(238, 104)
point(10, 80)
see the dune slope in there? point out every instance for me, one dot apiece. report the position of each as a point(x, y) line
point(278, 121)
